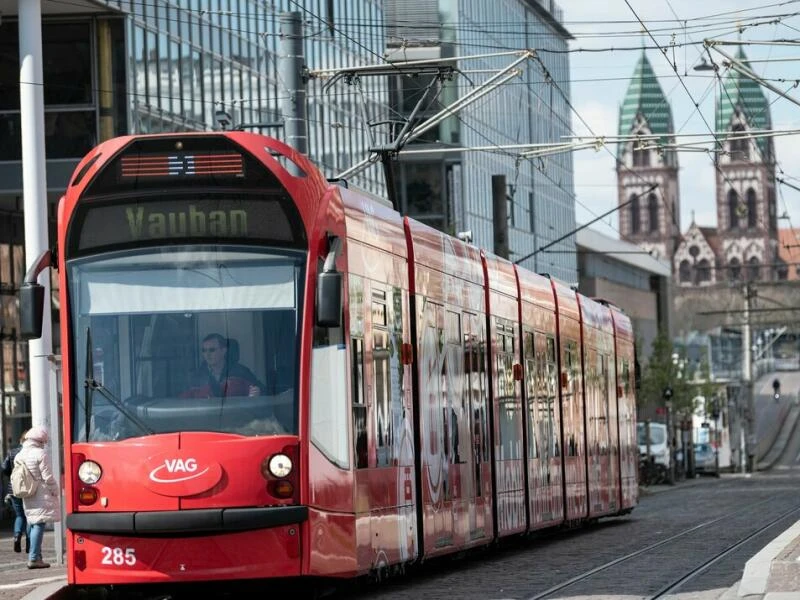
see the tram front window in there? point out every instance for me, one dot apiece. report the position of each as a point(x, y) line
point(190, 338)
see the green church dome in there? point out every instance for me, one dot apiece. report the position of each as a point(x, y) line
point(646, 98)
point(746, 94)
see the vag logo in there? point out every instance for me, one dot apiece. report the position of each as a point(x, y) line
point(181, 466)
point(182, 473)
point(172, 468)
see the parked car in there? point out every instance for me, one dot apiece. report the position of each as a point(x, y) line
point(705, 459)
point(659, 453)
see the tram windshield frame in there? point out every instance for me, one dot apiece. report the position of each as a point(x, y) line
point(147, 314)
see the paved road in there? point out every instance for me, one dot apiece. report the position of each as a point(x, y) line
point(526, 569)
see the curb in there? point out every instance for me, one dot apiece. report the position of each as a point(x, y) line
point(56, 590)
point(757, 570)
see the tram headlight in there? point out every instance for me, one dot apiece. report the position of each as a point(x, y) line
point(280, 466)
point(89, 472)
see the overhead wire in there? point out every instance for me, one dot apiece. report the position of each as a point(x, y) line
point(691, 97)
point(696, 23)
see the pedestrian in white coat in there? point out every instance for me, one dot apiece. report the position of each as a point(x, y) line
point(45, 505)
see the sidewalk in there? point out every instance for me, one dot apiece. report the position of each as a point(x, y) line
point(772, 574)
point(16, 580)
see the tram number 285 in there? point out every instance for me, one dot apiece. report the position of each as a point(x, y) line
point(118, 556)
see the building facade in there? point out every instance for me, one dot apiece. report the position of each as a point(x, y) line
point(452, 190)
point(629, 277)
point(650, 216)
point(122, 66)
point(745, 243)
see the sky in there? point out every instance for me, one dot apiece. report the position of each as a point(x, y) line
point(600, 78)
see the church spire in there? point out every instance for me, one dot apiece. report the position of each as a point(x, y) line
point(743, 99)
point(645, 104)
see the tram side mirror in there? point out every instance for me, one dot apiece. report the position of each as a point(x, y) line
point(31, 309)
point(329, 299)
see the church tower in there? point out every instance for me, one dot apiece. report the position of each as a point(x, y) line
point(649, 219)
point(747, 219)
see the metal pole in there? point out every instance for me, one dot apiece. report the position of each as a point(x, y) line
point(670, 443)
point(292, 74)
point(500, 215)
point(747, 380)
point(56, 447)
point(34, 186)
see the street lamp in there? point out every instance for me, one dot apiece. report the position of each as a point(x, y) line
point(704, 66)
point(667, 395)
point(715, 410)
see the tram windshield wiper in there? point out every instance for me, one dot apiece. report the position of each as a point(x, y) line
point(92, 384)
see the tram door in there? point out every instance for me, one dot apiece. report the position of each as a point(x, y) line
point(476, 401)
point(449, 477)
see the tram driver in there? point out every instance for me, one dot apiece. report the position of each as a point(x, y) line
point(221, 374)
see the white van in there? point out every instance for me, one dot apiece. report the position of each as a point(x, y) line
point(658, 443)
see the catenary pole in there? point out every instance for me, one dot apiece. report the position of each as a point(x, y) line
point(292, 74)
point(747, 379)
point(34, 186)
point(42, 380)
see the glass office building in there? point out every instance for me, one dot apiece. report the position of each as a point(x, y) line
point(452, 191)
point(127, 66)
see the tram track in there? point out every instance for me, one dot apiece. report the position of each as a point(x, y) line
point(677, 582)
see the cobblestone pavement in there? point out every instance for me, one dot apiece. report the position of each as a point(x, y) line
point(524, 568)
point(529, 567)
point(16, 580)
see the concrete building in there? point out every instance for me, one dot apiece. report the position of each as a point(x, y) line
point(744, 244)
point(629, 277)
point(121, 66)
point(453, 191)
point(113, 67)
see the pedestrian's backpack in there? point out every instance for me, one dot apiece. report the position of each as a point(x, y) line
point(23, 485)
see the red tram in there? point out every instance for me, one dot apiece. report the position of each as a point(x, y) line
point(266, 374)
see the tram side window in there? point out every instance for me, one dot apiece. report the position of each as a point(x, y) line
point(380, 368)
point(356, 297)
point(625, 377)
point(475, 331)
point(509, 407)
point(359, 408)
point(455, 390)
point(625, 405)
point(530, 391)
point(592, 401)
point(472, 395)
point(550, 383)
point(603, 413)
point(572, 408)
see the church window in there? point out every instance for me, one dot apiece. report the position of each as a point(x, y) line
point(635, 215)
point(733, 209)
point(641, 157)
point(753, 269)
point(739, 148)
point(734, 269)
point(703, 271)
point(685, 272)
point(751, 209)
point(652, 210)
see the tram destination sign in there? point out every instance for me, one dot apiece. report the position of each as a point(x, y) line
point(99, 225)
